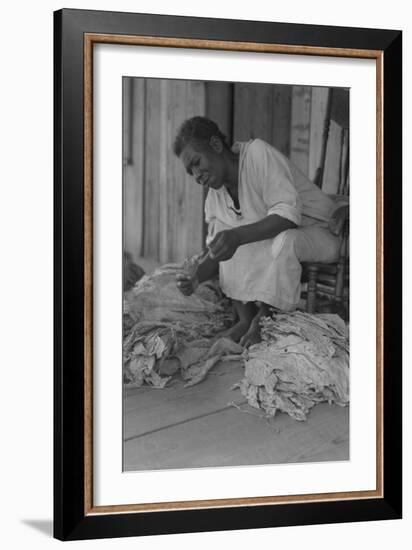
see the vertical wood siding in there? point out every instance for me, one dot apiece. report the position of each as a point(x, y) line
point(318, 112)
point(263, 111)
point(300, 127)
point(163, 207)
point(133, 164)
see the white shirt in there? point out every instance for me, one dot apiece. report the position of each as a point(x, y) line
point(269, 270)
point(268, 183)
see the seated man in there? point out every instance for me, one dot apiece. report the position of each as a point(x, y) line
point(264, 218)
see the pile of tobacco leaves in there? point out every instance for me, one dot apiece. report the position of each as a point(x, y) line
point(302, 360)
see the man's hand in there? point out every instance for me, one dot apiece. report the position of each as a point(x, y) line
point(187, 285)
point(338, 219)
point(224, 245)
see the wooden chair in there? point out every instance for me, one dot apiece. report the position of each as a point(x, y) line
point(328, 284)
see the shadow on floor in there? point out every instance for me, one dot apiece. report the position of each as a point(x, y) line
point(45, 526)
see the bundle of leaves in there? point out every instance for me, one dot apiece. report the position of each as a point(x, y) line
point(166, 332)
point(303, 360)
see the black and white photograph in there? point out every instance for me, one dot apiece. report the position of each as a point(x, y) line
point(206, 299)
point(235, 274)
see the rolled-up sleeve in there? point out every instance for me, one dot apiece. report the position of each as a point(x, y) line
point(275, 181)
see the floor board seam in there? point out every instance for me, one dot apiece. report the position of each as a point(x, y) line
point(186, 420)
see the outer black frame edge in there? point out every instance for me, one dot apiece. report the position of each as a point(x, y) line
point(69, 283)
point(230, 29)
point(393, 273)
point(235, 518)
point(69, 520)
point(57, 454)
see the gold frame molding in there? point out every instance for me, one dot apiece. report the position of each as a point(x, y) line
point(94, 38)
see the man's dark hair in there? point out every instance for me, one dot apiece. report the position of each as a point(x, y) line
point(197, 128)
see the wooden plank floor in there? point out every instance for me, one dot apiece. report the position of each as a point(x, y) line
point(179, 427)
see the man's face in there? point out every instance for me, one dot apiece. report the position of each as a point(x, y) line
point(204, 163)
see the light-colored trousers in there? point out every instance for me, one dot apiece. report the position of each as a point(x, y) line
point(270, 271)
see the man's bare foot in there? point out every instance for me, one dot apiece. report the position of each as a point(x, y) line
point(245, 313)
point(237, 331)
point(252, 336)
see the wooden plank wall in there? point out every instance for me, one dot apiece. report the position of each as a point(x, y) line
point(318, 113)
point(336, 175)
point(133, 164)
point(219, 108)
point(183, 212)
point(163, 207)
point(263, 111)
point(300, 127)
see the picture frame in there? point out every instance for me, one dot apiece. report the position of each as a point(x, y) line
point(76, 32)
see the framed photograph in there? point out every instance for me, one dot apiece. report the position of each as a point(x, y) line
point(227, 274)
